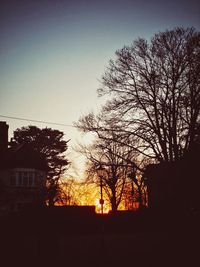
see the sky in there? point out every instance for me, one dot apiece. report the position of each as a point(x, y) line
point(53, 53)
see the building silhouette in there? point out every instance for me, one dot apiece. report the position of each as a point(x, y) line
point(22, 175)
point(175, 186)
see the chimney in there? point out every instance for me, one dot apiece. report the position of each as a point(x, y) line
point(3, 136)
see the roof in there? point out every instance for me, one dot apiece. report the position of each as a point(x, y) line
point(22, 156)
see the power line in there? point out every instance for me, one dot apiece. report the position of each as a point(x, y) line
point(38, 121)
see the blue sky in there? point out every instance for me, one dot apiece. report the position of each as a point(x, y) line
point(52, 53)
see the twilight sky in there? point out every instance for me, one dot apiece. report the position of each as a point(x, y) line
point(52, 53)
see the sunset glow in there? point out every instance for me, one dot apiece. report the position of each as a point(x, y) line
point(106, 208)
point(99, 133)
point(52, 55)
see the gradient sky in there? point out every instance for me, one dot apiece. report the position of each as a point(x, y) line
point(52, 53)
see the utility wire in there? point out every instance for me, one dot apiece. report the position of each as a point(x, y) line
point(38, 121)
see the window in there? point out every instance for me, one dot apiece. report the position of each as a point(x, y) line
point(30, 179)
point(25, 178)
point(20, 178)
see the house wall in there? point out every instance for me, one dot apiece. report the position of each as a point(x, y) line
point(22, 187)
point(23, 177)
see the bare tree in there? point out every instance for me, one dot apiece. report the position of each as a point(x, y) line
point(67, 192)
point(117, 162)
point(154, 106)
point(156, 92)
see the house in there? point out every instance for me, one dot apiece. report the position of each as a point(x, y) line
point(175, 186)
point(22, 175)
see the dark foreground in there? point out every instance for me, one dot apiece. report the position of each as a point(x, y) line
point(125, 239)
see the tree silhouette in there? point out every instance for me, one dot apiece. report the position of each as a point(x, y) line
point(154, 104)
point(119, 177)
point(155, 94)
point(51, 145)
